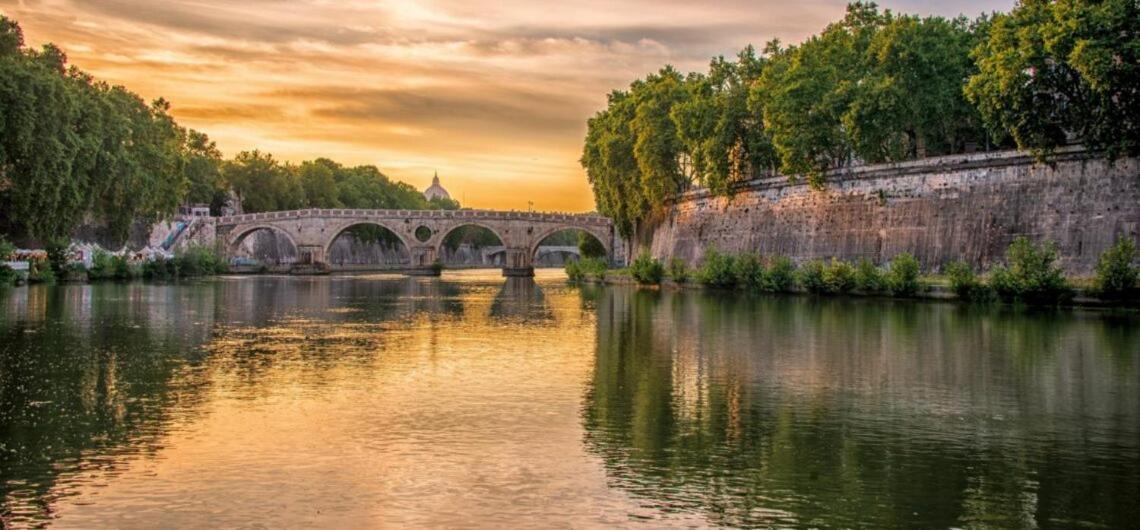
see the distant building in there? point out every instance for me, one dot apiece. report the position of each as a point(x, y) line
point(435, 191)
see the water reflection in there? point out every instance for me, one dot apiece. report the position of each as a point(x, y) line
point(374, 400)
point(863, 413)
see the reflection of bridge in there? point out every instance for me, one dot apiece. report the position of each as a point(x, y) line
point(313, 231)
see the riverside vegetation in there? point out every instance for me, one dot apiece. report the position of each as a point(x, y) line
point(1029, 275)
point(191, 263)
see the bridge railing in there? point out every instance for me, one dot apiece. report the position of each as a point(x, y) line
point(416, 214)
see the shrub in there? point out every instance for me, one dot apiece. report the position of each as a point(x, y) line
point(963, 281)
point(902, 277)
point(678, 272)
point(838, 277)
point(594, 268)
point(574, 271)
point(201, 261)
point(781, 277)
point(40, 272)
point(1115, 275)
point(868, 277)
point(57, 254)
point(717, 270)
point(1031, 274)
point(646, 270)
point(811, 276)
point(121, 269)
point(749, 271)
point(6, 249)
point(101, 266)
point(8, 276)
point(160, 269)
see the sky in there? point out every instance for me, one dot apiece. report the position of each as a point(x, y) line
point(494, 95)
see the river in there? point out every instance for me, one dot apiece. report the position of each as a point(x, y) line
point(374, 400)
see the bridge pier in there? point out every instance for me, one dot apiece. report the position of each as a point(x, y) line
point(518, 262)
point(424, 261)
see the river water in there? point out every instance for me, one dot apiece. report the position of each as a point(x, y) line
point(371, 401)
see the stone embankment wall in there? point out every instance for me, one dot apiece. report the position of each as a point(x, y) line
point(967, 207)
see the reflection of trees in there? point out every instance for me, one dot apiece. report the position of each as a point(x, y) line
point(853, 412)
point(88, 369)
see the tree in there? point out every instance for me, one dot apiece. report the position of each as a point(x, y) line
point(1051, 71)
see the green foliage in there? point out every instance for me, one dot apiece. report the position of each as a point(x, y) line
point(869, 278)
point(437, 266)
point(57, 254)
point(72, 146)
point(965, 283)
point(902, 277)
point(6, 249)
point(678, 272)
point(593, 268)
point(1051, 69)
point(40, 272)
point(1031, 274)
point(838, 277)
point(812, 276)
point(1115, 274)
point(160, 269)
point(574, 271)
point(717, 269)
point(781, 277)
point(8, 276)
point(749, 271)
point(101, 266)
point(646, 270)
point(122, 270)
point(589, 246)
point(474, 235)
point(198, 261)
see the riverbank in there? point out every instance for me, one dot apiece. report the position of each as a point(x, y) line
point(933, 288)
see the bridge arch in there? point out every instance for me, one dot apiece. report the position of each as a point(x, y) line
point(239, 235)
point(441, 237)
point(341, 229)
point(604, 239)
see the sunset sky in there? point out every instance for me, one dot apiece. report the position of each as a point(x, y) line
point(493, 94)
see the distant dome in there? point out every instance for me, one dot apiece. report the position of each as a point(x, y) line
point(435, 191)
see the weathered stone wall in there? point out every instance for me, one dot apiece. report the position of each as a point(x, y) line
point(942, 209)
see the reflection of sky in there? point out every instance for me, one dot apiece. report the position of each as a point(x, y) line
point(493, 94)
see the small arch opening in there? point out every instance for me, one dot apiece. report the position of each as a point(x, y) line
point(472, 246)
point(568, 244)
point(367, 246)
point(262, 248)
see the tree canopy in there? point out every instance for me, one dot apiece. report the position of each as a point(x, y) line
point(873, 87)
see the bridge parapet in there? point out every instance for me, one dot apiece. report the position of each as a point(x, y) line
point(312, 231)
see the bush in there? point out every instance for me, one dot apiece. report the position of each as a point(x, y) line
point(57, 254)
point(748, 271)
point(781, 277)
point(1030, 275)
point(160, 269)
point(811, 276)
point(838, 277)
point(717, 270)
point(101, 266)
point(678, 272)
point(869, 278)
point(201, 261)
point(40, 272)
point(963, 281)
point(646, 270)
point(8, 276)
point(574, 271)
point(121, 269)
point(6, 249)
point(594, 268)
point(1115, 275)
point(902, 277)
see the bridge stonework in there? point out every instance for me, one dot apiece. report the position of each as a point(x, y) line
point(313, 231)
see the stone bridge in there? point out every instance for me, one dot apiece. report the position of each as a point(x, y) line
point(422, 232)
